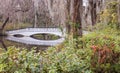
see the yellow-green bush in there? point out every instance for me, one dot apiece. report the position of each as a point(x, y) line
point(109, 15)
point(106, 50)
point(97, 52)
point(67, 60)
point(19, 61)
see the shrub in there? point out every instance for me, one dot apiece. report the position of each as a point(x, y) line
point(106, 52)
point(68, 60)
point(97, 52)
point(19, 61)
point(54, 60)
point(109, 15)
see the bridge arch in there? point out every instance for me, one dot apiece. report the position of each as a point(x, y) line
point(31, 31)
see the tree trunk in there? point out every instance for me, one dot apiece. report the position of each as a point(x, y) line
point(3, 26)
point(35, 23)
point(36, 12)
point(76, 18)
point(118, 13)
point(68, 27)
point(92, 4)
point(3, 44)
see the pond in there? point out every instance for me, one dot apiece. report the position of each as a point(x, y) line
point(45, 37)
point(38, 41)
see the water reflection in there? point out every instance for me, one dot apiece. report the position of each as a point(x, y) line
point(33, 41)
point(4, 43)
point(40, 41)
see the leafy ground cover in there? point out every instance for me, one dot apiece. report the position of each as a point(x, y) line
point(97, 52)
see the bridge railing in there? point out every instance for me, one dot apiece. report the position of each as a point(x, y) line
point(41, 30)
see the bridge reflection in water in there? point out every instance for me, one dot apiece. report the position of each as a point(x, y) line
point(32, 41)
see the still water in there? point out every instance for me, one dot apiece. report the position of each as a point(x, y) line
point(4, 43)
point(41, 43)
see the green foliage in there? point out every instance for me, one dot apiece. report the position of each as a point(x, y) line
point(19, 61)
point(67, 60)
point(97, 52)
point(106, 52)
point(54, 60)
point(109, 15)
point(70, 59)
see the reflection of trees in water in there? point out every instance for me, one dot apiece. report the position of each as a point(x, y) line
point(2, 42)
point(45, 37)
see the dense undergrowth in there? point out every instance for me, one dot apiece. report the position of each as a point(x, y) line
point(97, 52)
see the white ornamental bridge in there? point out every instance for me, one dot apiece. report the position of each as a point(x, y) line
point(31, 31)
